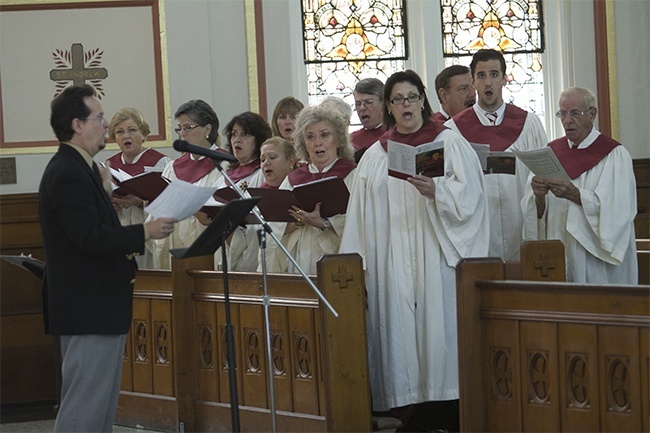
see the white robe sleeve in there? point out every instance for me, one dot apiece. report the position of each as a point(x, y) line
point(459, 211)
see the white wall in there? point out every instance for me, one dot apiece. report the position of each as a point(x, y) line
point(633, 60)
point(206, 42)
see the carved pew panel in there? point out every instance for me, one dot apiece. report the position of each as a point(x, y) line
point(550, 356)
point(175, 368)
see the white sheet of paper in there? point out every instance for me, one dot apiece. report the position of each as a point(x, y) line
point(543, 163)
point(180, 200)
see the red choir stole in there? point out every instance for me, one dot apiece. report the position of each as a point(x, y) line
point(439, 117)
point(190, 170)
point(577, 161)
point(341, 168)
point(364, 138)
point(499, 137)
point(428, 132)
point(239, 172)
point(148, 159)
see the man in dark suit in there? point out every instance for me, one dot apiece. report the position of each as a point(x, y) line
point(90, 269)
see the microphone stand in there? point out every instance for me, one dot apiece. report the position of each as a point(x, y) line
point(232, 378)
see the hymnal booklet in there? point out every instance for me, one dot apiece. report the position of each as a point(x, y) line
point(330, 192)
point(427, 159)
point(493, 162)
point(543, 163)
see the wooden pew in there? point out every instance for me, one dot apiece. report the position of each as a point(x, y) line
point(550, 355)
point(175, 368)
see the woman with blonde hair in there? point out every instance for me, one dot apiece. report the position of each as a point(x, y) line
point(129, 129)
point(321, 139)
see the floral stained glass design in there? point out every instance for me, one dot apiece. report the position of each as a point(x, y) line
point(347, 40)
point(514, 27)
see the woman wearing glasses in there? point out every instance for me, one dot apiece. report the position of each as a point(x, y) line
point(245, 132)
point(198, 124)
point(322, 140)
point(129, 129)
point(411, 233)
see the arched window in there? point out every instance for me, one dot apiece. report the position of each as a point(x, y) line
point(347, 40)
point(515, 27)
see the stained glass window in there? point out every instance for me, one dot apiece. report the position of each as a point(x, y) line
point(347, 40)
point(515, 27)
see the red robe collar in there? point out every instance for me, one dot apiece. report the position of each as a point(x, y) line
point(239, 172)
point(267, 186)
point(499, 137)
point(341, 168)
point(439, 117)
point(364, 138)
point(190, 170)
point(428, 132)
point(148, 159)
point(577, 161)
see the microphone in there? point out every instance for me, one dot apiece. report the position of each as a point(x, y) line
point(184, 146)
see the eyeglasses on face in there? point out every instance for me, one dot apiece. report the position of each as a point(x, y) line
point(186, 128)
point(399, 100)
point(234, 134)
point(131, 131)
point(561, 114)
point(101, 118)
point(368, 103)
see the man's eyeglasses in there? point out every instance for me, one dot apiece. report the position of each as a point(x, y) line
point(399, 100)
point(561, 114)
point(368, 103)
point(186, 128)
point(234, 134)
point(101, 118)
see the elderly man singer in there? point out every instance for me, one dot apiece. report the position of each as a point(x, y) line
point(455, 91)
point(593, 213)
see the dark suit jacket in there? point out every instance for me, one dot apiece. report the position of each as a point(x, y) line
point(89, 275)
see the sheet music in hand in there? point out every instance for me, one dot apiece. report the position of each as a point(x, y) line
point(542, 162)
point(331, 192)
point(427, 159)
point(180, 200)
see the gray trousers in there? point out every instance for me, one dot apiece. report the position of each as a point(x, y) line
point(91, 376)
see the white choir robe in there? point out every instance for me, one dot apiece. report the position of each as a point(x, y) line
point(505, 191)
point(306, 244)
point(135, 215)
point(598, 237)
point(185, 231)
point(410, 246)
point(243, 248)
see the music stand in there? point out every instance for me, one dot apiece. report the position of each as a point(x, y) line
point(37, 268)
point(212, 238)
point(221, 227)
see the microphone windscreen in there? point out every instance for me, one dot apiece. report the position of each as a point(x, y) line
point(180, 145)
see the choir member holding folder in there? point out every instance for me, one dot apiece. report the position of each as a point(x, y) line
point(245, 132)
point(198, 124)
point(321, 138)
point(130, 130)
point(411, 233)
